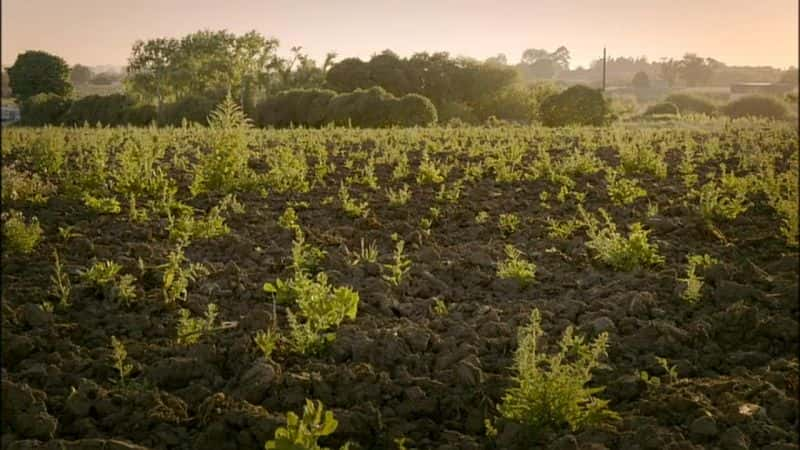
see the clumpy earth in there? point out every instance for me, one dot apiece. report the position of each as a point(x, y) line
point(405, 368)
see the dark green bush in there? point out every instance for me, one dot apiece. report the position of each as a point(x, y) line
point(756, 106)
point(662, 108)
point(577, 105)
point(44, 109)
point(112, 110)
point(692, 104)
point(192, 108)
point(414, 110)
point(372, 108)
point(294, 106)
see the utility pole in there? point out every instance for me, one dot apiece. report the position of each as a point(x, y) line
point(604, 69)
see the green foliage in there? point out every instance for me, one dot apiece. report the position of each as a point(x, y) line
point(120, 354)
point(429, 172)
point(305, 257)
point(191, 329)
point(61, 286)
point(185, 227)
point(321, 306)
point(692, 104)
point(110, 110)
point(578, 105)
point(623, 254)
point(562, 230)
point(352, 207)
point(398, 197)
point(508, 223)
point(724, 198)
point(399, 267)
point(550, 390)
point(371, 108)
point(24, 186)
point(102, 205)
point(440, 307)
point(302, 434)
point(636, 158)
point(482, 217)
point(640, 80)
point(756, 106)
point(37, 72)
point(623, 191)
point(368, 253)
point(783, 197)
point(189, 109)
point(44, 109)
point(177, 274)
point(20, 236)
point(693, 282)
point(225, 167)
point(106, 278)
point(266, 342)
point(288, 220)
point(662, 108)
point(516, 267)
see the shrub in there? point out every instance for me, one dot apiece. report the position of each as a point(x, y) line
point(302, 434)
point(623, 254)
point(44, 109)
point(193, 108)
point(414, 110)
point(578, 105)
point(756, 106)
point(19, 236)
point(294, 106)
point(105, 109)
point(662, 108)
point(372, 108)
point(551, 390)
point(692, 104)
point(640, 80)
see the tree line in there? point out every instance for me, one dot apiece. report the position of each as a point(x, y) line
point(170, 80)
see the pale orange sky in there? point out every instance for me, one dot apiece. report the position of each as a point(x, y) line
point(736, 32)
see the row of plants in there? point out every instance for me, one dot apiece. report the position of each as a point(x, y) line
point(151, 177)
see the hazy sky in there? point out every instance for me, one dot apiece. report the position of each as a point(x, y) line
point(98, 32)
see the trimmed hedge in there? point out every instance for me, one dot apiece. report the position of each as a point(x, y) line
point(193, 108)
point(370, 108)
point(111, 110)
point(692, 104)
point(662, 108)
point(577, 105)
point(44, 109)
point(756, 106)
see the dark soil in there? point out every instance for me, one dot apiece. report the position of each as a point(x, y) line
point(400, 369)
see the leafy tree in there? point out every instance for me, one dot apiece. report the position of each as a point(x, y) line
point(6, 86)
point(537, 63)
point(149, 69)
point(578, 105)
point(669, 69)
point(348, 75)
point(35, 72)
point(790, 76)
point(640, 80)
point(500, 60)
point(80, 74)
point(696, 71)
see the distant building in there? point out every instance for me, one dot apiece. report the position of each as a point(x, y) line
point(738, 89)
point(10, 114)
